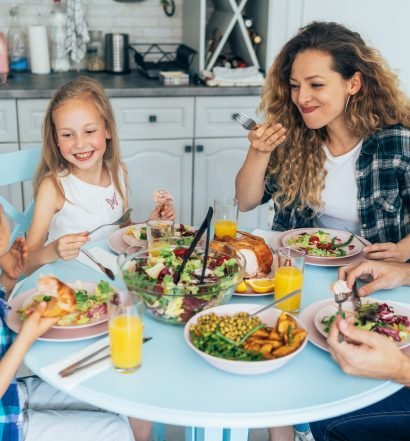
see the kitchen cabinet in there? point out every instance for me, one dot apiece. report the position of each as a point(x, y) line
point(8, 123)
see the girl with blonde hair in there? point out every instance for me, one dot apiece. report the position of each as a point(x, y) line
point(81, 181)
point(334, 148)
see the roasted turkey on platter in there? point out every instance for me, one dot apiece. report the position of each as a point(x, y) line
point(257, 253)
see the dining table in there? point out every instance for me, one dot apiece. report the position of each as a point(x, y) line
point(175, 386)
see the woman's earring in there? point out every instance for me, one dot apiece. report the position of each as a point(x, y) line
point(347, 102)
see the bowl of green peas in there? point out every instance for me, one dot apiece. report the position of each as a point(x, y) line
point(229, 338)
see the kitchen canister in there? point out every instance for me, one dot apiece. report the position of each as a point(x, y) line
point(39, 54)
point(116, 53)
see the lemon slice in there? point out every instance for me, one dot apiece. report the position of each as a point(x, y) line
point(261, 286)
point(241, 287)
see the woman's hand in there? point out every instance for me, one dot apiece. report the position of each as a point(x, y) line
point(68, 247)
point(166, 211)
point(367, 354)
point(393, 252)
point(265, 138)
point(36, 325)
point(380, 275)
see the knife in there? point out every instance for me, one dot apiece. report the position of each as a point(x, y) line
point(78, 365)
point(356, 300)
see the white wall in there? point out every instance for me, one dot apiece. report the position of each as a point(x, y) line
point(384, 24)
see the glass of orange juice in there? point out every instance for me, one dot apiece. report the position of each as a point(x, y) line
point(125, 331)
point(289, 277)
point(159, 234)
point(226, 217)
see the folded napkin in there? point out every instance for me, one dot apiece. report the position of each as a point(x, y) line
point(106, 258)
point(51, 370)
point(265, 234)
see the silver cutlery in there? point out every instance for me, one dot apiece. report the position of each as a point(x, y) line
point(103, 268)
point(244, 120)
point(78, 365)
point(339, 299)
point(276, 302)
point(356, 300)
point(124, 217)
point(357, 237)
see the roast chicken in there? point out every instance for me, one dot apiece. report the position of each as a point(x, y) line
point(257, 253)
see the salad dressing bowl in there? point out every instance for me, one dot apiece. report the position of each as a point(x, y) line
point(149, 273)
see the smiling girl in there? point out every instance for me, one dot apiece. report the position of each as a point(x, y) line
point(334, 150)
point(81, 181)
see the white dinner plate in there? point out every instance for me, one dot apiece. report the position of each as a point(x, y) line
point(276, 242)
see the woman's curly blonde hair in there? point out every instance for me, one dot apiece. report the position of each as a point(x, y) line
point(52, 162)
point(298, 164)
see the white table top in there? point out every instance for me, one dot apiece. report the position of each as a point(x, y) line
point(175, 386)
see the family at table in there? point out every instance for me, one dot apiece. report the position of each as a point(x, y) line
point(333, 151)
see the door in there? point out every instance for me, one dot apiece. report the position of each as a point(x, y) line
point(216, 163)
point(155, 165)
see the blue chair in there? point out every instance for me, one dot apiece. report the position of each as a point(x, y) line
point(18, 167)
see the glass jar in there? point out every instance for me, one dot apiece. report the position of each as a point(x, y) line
point(95, 52)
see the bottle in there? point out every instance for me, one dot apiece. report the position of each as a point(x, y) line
point(95, 52)
point(4, 60)
point(17, 43)
point(59, 58)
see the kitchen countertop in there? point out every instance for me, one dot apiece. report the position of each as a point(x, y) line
point(27, 85)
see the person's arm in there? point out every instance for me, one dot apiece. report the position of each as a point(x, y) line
point(250, 179)
point(372, 355)
point(32, 328)
point(67, 247)
point(382, 275)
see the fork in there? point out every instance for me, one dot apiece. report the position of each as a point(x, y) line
point(339, 299)
point(244, 120)
point(124, 217)
point(103, 268)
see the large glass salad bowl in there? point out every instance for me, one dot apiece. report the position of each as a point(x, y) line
point(149, 274)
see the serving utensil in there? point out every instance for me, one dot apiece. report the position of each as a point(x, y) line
point(276, 302)
point(244, 120)
point(124, 217)
point(103, 268)
point(78, 365)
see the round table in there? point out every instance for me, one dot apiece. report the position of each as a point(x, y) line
point(176, 386)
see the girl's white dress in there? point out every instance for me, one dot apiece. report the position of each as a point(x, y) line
point(86, 207)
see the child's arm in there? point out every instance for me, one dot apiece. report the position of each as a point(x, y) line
point(67, 247)
point(13, 263)
point(32, 328)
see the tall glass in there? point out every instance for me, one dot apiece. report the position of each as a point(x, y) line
point(226, 217)
point(125, 332)
point(289, 277)
point(159, 233)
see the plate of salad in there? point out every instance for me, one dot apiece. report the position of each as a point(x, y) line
point(323, 243)
point(90, 299)
point(152, 275)
point(384, 317)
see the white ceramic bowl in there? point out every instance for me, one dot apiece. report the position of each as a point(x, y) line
point(269, 316)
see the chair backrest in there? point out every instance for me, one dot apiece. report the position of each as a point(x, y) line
point(17, 167)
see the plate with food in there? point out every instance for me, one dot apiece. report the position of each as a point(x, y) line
point(255, 287)
point(78, 305)
point(228, 338)
point(380, 316)
point(323, 243)
point(355, 255)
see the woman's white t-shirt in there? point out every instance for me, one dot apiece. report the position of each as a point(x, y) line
point(87, 206)
point(340, 193)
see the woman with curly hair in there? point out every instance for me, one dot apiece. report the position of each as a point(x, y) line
point(334, 148)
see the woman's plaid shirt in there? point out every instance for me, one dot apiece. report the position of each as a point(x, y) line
point(383, 183)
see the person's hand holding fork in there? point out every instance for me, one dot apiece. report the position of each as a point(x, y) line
point(264, 138)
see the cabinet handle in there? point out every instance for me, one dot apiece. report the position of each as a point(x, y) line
point(152, 118)
point(199, 148)
point(188, 148)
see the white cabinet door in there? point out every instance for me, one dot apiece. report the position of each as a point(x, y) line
point(154, 165)
point(8, 122)
point(217, 161)
point(30, 116)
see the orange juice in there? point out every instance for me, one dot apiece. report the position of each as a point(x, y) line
point(287, 279)
point(126, 342)
point(224, 227)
